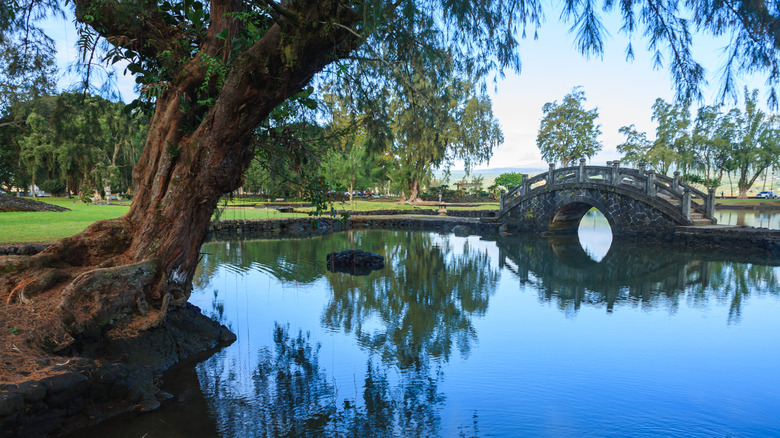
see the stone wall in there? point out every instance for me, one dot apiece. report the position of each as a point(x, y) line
point(23, 249)
point(735, 240)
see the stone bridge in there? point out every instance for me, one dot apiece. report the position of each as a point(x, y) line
point(636, 202)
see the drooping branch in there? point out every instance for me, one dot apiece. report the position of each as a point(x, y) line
point(139, 27)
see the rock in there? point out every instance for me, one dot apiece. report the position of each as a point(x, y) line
point(354, 261)
point(462, 230)
point(31, 391)
point(27, 250)
point(10, 403)
point(64, 388)
point(13, 203)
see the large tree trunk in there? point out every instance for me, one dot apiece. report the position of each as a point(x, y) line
point(414, 190)
point(124, 273)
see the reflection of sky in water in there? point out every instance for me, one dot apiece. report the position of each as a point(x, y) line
point(595, 235)
point(688, 348)
point(748, 218)
point(536, 371)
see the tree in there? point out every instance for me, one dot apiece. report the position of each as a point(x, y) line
point(672, 142)
point(85, 142)
point(453, 122)
point(349, 162)
point(210, 74)
point(708, 144)
point(754, 141)
point(509, 180)
point(27, 68)
point(637, 149)
point(567, 131)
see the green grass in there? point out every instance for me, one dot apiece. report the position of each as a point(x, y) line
point(30, 227)
point(22, 227)
point(751, 201)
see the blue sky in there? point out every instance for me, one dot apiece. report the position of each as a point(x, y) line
point(622, 91)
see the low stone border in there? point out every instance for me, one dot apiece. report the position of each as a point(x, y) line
point(738, 240)
point(418, 211)
point(23, 250)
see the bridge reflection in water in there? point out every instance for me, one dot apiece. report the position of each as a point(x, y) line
point(329, 354)
point(631, 273)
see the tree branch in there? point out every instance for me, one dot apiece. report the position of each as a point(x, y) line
point(140, 28)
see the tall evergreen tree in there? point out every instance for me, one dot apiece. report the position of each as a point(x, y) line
point(568, 131)
point(672, 140)
point(754, 141)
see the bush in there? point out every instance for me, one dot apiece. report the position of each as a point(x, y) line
point(53, 186)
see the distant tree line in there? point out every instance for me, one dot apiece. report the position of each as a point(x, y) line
point(75, 144)
point(69, 143)
point(738, 143)
point(720, 142)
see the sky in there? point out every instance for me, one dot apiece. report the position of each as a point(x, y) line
point(623, 92)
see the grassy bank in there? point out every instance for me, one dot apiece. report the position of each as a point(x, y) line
point(751, 202)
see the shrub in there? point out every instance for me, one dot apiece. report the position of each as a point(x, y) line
point(53, 186)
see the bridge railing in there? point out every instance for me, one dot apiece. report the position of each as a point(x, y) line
point(669, 190)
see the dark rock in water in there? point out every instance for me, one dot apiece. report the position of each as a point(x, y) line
point(118, 375)
point(354, 261)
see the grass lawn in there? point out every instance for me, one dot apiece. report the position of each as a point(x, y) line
point(33, 226)
point(749, 201)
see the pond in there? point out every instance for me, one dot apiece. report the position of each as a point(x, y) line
point(464, 336)
point(751, 218)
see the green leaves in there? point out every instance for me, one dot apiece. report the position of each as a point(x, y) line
point(509, 180)
point(568, 131)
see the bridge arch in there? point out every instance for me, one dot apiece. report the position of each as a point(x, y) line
point(634, 201)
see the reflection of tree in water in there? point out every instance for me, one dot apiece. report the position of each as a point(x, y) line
point(417, 310)
point(413, 310)
point(289, 260)
point(293, 396)
point(635, 273)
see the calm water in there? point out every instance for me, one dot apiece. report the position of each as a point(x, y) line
point(459, 336)
point(749, 218)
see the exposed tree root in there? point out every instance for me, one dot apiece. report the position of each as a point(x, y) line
point(90, 286)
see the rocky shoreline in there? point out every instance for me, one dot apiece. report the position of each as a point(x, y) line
point(122, 377)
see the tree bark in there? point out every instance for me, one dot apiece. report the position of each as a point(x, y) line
point(414, 190)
